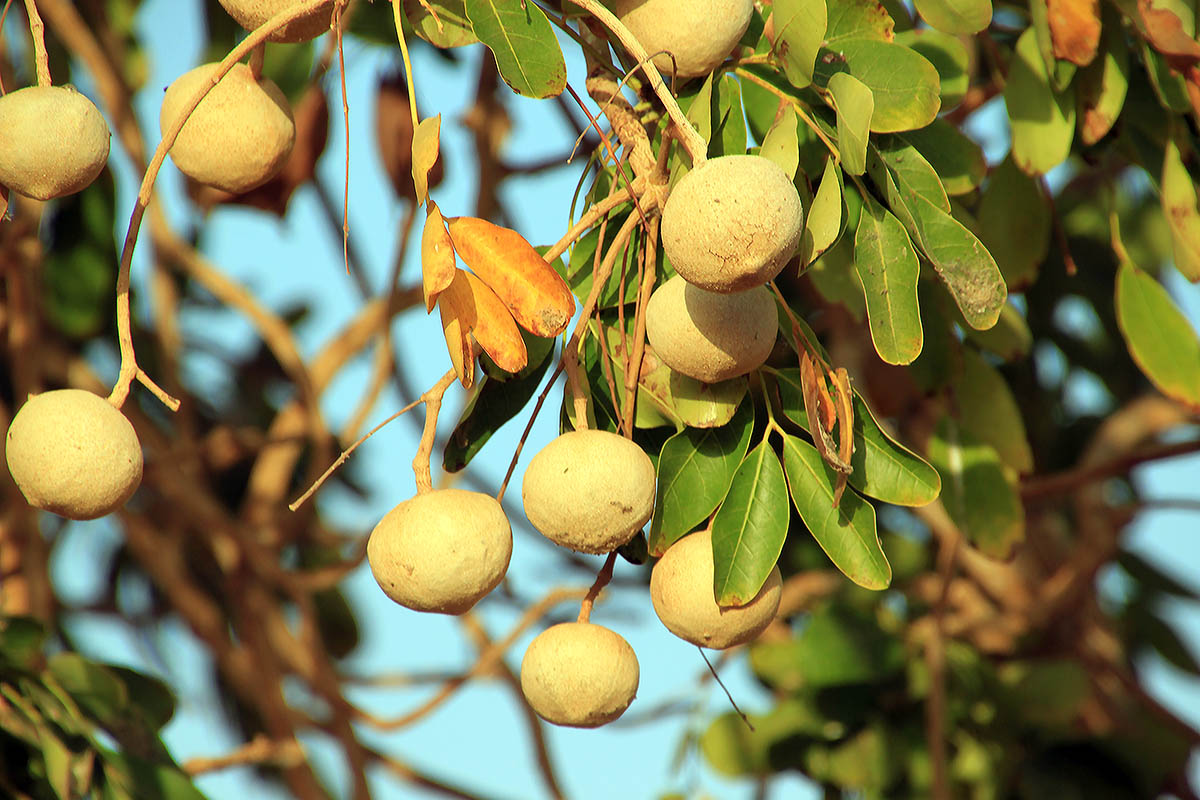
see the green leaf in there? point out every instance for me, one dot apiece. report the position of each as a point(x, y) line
point(908, 174)
point(781, 144)
point(1160, 339)
point(455, 30)
point(97, 691)
point(1103, 84)
point(57, 759)
point(835, 279)
point(904, 84)
point(1059, 71)
point(729, 133)
point(1043, 121)
point(854, 103)
point(858, 19)
point(823, 224)
point(847, 533)
point(977, 494)
point(700, 109)
point(695, 468)
point(1179, 206)
point(749, 528)
point(949, 57)
point(21, 642)
point(150, 780)
point(1050, 692)
point(838, 647)
point(492, 404)
point(800, 29)
point(523, 43)
point(989, 412)
point(1014, 223)
point(888, 268)
point(956, 158)
point(578, 273)
point(956, 16)
point(883, 468)
point(151, 696)
point(732, 748)
point(1010, 338)
point(697, 404)
point(960, 259)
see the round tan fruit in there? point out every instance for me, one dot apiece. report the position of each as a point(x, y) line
point(53, 141)
point(250, 14)
point(732, 223)
point(681, 588)
point(579, 674)
point(711, 336)
point(73, 453)
point(441, 551)
point(589, 490)
point(238, 137)
point(699, 33)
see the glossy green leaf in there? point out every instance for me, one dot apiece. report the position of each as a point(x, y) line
point(1103, 84)
point(838, 647)
point(854, 103)
point(455, 29)
point(836, 280)
point(781, 144)
point(823, 223)
point(904, 84)
point(1014, 223)
point(883, 468)
point(1010, 338)
point(697, 404)
point(956, 158)
point(907, 174)
point(1179, 206)
point(847, 533)
point(888, 268)
point(949, 57)
point(800, 29)
point(97, 691)
point(978, 496)
point(1043, 121)
point(523, 43)
point(749, 528)
point(695, 468)
point(956, 16)
point(990, 413)
point(858, 19)
point(492, 404)
point(700, 109)
point(1169, 86)
point(1160, 339)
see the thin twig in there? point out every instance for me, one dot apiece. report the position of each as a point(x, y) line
point(433, 404)
point(37, 30)
point(602, 579)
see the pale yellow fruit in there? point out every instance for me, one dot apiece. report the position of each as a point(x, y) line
point(699, 33)
point(53, 141)
point(441, 551)
point(589, 490)
point(579, 674)
point(681, 588)
point(238, 137)
point(711, 336)
point(73, 453)
point(250, 14)
point(732, 223)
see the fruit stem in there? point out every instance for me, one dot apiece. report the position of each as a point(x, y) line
point(257, 55)
point(412, 93)
point(433, 404)
point(37, 30)
point(602, 579)
point(129, 366)
point(691, 139)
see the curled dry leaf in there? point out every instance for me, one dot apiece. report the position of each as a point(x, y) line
point(539, 299)
point(484, 316)
point(458, 339)
point(394, 135)
point(1074, 29)
point(437, 256)
point(425, 145)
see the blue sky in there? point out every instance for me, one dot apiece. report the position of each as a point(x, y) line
point(478, 739)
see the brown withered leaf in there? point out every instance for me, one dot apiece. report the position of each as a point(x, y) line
point(311, 115)
point(1164, 30)
point(458, 339)
point(539, 299)
point(845, 414)
point(812, 386)
point(486, 318)
point(437, 256)
point(1074, 29)
point(394, 136)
